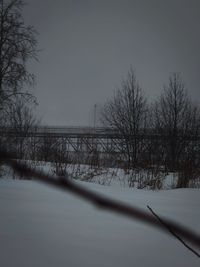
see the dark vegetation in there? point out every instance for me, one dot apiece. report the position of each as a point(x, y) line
point(171, 123)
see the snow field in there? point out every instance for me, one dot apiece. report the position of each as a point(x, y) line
point(43, 227)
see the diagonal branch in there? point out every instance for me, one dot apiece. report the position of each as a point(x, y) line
point(163, 222)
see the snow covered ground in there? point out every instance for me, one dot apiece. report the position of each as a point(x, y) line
point(41, 226)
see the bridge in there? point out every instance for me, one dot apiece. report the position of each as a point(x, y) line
point(54, 131)
point(70, 139)
point(82, 140)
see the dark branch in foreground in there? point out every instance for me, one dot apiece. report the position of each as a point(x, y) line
point(172, 232)
point(102, 201)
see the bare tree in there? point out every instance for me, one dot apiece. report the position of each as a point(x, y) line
point(126, 112)
point(176, 121)
point(21, 121)
point(18, 44)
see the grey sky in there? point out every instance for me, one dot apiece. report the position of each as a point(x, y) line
point(89, 45)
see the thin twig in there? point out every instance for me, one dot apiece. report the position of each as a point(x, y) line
point(163, 222)
point(67, 184)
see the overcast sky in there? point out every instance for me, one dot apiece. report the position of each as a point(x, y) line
point(89, 45)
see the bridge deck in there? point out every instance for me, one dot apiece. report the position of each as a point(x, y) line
point(82, 132)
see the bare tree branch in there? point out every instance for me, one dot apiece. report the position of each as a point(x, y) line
point(163, 222)
point(18, 45)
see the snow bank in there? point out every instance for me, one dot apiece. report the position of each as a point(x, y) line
point(43, 227)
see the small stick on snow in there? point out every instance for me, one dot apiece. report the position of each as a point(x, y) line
point(172, 232)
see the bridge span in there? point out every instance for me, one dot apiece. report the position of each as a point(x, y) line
point(78, 132)
point(83, 140)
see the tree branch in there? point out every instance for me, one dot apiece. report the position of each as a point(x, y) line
point(163, 222)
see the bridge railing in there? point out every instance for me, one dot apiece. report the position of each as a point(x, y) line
point(58, 130)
